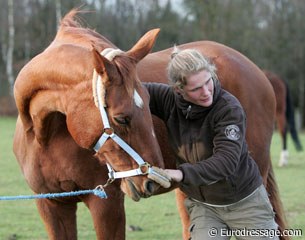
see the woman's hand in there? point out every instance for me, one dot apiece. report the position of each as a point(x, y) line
point(165, 176)
point(176, 175)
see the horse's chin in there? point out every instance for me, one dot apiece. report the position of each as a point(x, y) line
point(130, 189)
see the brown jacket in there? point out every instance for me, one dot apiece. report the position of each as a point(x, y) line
point(209, 143)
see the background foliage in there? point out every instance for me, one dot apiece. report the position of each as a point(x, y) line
point(270, 32)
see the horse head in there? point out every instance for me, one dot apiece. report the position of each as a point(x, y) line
point(128, 143)
point(96, 83)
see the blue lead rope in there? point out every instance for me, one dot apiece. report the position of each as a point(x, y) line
point(97, 192)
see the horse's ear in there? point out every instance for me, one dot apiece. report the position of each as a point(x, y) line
point(144, 45)
point(103, 66)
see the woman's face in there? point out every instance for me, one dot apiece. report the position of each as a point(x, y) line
point(199, 89)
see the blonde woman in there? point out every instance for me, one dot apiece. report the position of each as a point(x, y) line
point(207, 128)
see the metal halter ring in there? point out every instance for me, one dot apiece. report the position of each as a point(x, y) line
point(109, 131)
point(144, 168)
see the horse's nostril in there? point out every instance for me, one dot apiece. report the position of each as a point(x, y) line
point(149, 187)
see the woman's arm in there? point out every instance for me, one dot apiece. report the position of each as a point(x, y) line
point(161, 99)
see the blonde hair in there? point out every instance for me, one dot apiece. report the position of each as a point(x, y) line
point(186, 62)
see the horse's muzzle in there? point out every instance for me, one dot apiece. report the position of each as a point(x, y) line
point(146, 189)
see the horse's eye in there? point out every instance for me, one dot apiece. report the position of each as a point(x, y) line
point(122, 120)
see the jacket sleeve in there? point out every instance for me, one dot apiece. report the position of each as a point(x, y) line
point(161, 98)
point(228, 144)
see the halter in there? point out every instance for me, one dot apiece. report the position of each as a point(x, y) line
point(144, 167)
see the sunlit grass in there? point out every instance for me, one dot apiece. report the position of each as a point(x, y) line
point(155, 218)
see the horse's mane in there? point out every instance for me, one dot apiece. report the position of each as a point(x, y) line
point(71, 31)
point(69, 19)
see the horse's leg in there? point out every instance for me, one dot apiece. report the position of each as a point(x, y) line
point(274, 196)
point(291, 120)
point(263, 160)
point(108, 214)
point(185, 219)
point(59, 218)
point(282, 127)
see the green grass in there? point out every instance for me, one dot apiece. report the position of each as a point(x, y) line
point(157, 216)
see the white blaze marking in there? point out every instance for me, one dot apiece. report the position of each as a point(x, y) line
point(137, 99)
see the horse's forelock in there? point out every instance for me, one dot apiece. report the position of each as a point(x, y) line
point(127, 71)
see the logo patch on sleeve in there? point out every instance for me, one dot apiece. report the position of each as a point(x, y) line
point(232, 132)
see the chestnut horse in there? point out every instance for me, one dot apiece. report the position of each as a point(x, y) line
point(77, 111)
point(54, 136)
point(284, 115)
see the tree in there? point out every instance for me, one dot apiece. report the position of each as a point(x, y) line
point(58, 11)
point(10, 49)
point(269, 32)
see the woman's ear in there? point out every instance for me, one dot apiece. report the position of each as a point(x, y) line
point(179, 90)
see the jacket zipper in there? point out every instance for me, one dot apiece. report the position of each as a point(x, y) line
point(188, 110)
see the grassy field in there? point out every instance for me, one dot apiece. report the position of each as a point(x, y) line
point(154, 218)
